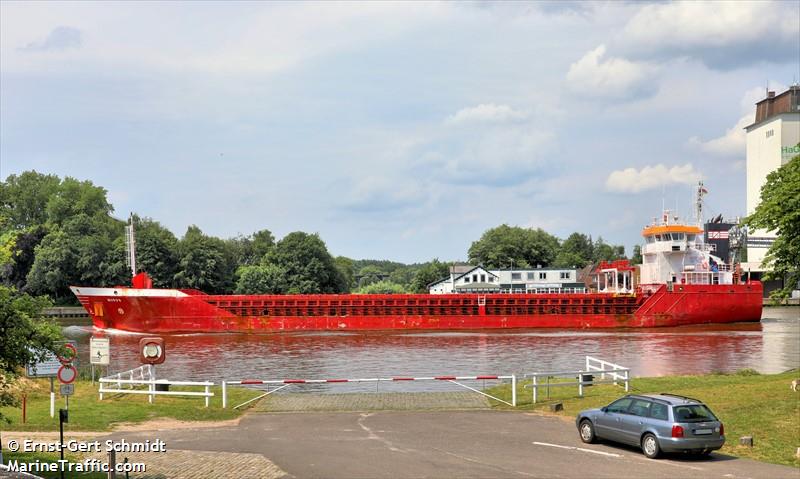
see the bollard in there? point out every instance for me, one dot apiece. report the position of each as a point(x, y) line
point(746, 441)
point(555, 407)
point(112, 464)
point(224, 394)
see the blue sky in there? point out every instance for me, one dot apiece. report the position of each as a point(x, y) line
point(394, 130)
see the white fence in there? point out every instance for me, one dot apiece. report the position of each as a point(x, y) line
point(145, 376)
point(282, 383)
point(616, 373)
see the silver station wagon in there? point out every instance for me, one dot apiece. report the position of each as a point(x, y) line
point(655, 422)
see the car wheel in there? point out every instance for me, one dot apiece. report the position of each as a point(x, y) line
point(586, 431)
point(650, 446)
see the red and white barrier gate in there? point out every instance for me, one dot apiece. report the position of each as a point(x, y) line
point(289, 382)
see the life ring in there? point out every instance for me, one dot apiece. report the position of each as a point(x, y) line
point(705, 264)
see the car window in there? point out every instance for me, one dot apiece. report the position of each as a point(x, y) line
point(620, 405)
point(640, 407)
point(693, 413)
point(658, 411)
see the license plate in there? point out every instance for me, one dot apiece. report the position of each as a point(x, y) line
point(702, 431)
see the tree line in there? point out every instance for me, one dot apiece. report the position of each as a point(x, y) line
point(58, 232)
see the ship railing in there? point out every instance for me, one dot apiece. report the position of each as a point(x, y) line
point(145, 376)
point(583, 378)
point(279, 384)
point(557, 291)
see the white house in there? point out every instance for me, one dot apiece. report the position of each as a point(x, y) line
point(476, 279)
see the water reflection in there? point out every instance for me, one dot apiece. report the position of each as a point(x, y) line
point(770, 346)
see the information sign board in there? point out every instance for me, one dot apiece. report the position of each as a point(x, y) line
point(99, 351)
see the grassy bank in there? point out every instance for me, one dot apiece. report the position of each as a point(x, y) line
point(88, 413)
point(748, 403)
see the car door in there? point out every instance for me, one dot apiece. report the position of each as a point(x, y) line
point(609, 422)
point(635, 422)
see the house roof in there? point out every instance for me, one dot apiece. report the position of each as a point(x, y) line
point(473, 269)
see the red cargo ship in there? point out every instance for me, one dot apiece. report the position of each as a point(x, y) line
point(679, 283)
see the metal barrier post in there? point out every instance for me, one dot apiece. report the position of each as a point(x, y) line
point(224, 395)
point(580, 384)
point(535, 388)
point(627, 380)
point(514, 390)
point(207, 396)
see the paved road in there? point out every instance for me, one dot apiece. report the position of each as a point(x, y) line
point(464, 444)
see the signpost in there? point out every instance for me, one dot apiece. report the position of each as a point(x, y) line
point(99, 353)
point(49, 367)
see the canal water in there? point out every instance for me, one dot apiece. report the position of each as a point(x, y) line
point(771, 346)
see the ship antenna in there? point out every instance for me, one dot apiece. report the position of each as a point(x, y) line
point(698, 213)
point(130, 246)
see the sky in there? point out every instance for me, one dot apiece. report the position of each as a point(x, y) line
point(396, 131)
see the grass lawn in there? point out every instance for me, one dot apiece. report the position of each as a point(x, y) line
point(88, 413)
point(748, 403)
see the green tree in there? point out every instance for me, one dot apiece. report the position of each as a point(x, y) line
point(76, 253)
point(15, 272)
point(24, 198)
point(636, 258)
point(382, 287)
point(73, 198)
point(250, 250)
point(346, 267)
point(603, 251)
point(26, 337)
point(370, 274)
point(203, 263)
point(779, 211)
point(427, 274)
point(309, 266)
point(576, 250)
point(262, 279)
point(156, 252)
point(526, 248)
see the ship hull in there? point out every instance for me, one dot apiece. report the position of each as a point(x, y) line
point(175, 311)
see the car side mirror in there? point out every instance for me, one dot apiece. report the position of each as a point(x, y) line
point(604, 409)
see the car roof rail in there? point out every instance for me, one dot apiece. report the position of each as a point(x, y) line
point(682, 397)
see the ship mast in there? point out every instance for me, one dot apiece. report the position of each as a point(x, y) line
point(130, 246)
point(698, 206)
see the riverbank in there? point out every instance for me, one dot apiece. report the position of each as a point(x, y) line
point(749, 404)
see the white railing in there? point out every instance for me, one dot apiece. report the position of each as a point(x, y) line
point(282, 383)
point(146, 377)
point(616, 373)
point(605, 367)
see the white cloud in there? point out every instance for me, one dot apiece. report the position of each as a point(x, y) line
point(732, 143)
point(723, 33)
point(631, 180)
point(487, 112)
point(596, 75)
point(61, 38)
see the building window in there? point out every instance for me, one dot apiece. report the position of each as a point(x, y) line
point(466, 279)
point(516, 276)
point(474, 278)
point(542, 275)
point(564, 275)
point(491, 279)
point(483, 278)
point(770, 133)
point(530, 275)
